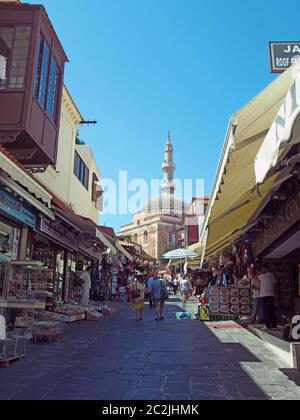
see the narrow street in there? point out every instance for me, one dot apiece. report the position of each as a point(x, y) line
point(120, 359)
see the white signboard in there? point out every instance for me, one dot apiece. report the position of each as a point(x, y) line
point(280, 132)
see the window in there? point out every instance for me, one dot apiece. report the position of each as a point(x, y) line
point(146, 238)
point(81, 171)
point(14, 48)
point(96, 189)
point(6, 43)
point(138, 223)
point(38, 65)
point(43, 75)
point(172, 238)
point(52, 89)
point(135, 238)
point(46, 80)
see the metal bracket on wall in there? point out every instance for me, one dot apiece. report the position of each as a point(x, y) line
point(24, 154)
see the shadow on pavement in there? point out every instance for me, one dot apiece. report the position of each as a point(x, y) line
point(120, 359)
point(293, 375)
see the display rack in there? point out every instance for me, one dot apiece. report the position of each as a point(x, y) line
point(25, 283)
point(23, 292)
point(229, 303)
point(47, 330)
point(13, 347)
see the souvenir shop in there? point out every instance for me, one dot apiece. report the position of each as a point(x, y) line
point(275, 240)
point(67, 249)
point(16, 218)
point(23, 283)
point(272, 238)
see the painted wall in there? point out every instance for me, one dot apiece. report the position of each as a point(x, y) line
point(62, 180)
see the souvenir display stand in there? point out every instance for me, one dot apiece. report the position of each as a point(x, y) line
point(24, 285)
point(232, 303)
point(23, 288)
point(47, 330)
point(68, 313)
point(13, 345)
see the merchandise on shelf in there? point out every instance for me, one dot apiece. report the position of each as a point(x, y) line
point(25, 282)
point(230, 301)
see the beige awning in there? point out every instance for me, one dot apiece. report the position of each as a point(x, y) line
point(20, 176)
point(123, 251)
point(108, 242)
point(235, 197)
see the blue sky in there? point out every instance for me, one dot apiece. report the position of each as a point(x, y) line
point(143, 67)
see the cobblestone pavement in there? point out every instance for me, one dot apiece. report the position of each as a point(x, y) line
point(121, 359)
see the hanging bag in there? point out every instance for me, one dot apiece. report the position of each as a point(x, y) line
point(136, 293)
point(164, 291)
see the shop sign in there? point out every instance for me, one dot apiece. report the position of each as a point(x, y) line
point(284, 220)
point(58, 232)
point(296, 328)
point(90, 249)
point(283, 55)
point(15, 208)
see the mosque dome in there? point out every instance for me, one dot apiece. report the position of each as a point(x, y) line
point(165, 203)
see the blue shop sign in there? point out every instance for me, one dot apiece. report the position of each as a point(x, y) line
point(14, 207)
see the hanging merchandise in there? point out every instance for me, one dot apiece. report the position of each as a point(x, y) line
point(222, 280)
point(251, 271)
point(221, 260)
point(247, 254)
point(124, 260)
point(109, 260)
point(4, 243)
point(185, 267)
point(2, 328)
point(121, 268)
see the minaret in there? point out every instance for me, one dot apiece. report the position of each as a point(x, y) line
point(168, 167)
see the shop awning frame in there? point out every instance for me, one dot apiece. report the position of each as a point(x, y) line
point(280, 132)
point(14, 186)
point(106, 240)
point(19, 176)
point(236, 197)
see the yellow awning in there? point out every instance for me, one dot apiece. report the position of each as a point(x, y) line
point(198, 248)
point(237, 198)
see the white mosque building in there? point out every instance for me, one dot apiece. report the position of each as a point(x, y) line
point(159, 224)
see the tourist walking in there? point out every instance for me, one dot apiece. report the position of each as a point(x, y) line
point(160, 295)
point(175, 285)
point(138, 288)
point(150, 282)
point(186, 289)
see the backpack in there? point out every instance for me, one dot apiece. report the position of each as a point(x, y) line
point(164, 291)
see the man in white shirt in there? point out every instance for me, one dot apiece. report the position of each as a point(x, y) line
point(86, 285)
point(267, 293)
point(257, 313)
point(185, 289)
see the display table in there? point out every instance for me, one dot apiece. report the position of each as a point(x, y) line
point(67, 318)
point(47, 330)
